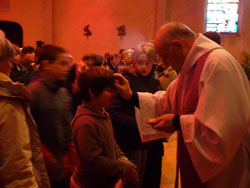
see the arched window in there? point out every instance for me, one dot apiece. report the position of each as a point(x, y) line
point(222, 16)
point(13, 32)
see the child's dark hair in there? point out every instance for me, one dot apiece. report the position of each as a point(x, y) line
point(49, 52)
point(213, 36)
point(27, 50)
point(94, 59)
point(96, 79)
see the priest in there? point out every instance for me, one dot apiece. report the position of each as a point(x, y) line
point(208, 105)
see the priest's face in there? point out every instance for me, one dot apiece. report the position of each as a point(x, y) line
point(171, 53)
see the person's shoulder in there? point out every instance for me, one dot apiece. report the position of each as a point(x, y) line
point(220, 53)
point(84, 122)
point(10, 107)
point(64, 92)
point(35, 89)
point(221, 59)
point(83, 119)
point(34, 85)
point(221, 65)
point(84, 115)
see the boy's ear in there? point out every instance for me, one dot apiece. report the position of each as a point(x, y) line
point(45, 65)
point(91, 94)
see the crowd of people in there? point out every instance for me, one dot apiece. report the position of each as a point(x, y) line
point(66, 124)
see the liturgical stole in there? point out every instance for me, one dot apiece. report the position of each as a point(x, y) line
point(189, 176)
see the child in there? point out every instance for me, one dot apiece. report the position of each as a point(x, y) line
point(146, 156)
point(50, 106)
point(100, 162)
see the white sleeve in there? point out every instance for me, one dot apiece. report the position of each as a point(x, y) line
point(151, 106)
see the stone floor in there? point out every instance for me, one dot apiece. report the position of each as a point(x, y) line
point(169, 163)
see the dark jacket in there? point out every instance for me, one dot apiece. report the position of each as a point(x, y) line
point(22, 74)
point(50, 106)
point(123, 115)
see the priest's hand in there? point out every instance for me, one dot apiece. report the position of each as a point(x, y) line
point(163, 123)
point(122, 86)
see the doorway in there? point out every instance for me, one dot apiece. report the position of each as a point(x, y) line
point(13, 32)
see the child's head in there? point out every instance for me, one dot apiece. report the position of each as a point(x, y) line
point(54, 61)
point(89, 60)
point(214, 36)
point(28, 53)
point(144, 57)
point(96, 83)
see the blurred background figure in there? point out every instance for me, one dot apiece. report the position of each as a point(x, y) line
point(23, 68)
point(17, 56)
point(121, 50)
point(117, 58)
point(106, 56)
point(90, 60)
point(50, 106)
point(126, 60)
point(28, 53)
point(87, 61)
point(18, 73)
point(165, 74)
point(28, 56)
point(214, 36)
point(111, 64)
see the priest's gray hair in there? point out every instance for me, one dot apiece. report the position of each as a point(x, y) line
point(175, 31)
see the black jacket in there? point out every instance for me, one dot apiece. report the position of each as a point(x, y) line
point(123, 115)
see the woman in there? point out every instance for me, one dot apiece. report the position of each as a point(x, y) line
point(21, 159)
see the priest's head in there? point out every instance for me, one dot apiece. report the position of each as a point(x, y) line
point(173, 43)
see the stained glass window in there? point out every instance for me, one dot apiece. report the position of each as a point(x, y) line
point(222, 16)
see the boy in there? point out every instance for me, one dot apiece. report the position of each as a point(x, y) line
point(100, 162)
point(50, 106)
